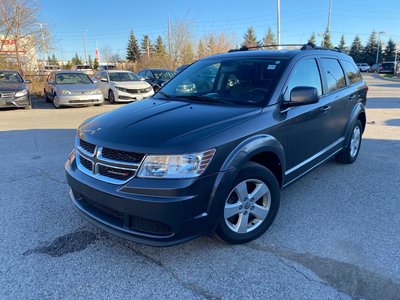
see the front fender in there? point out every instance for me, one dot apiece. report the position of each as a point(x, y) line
point(241, 154)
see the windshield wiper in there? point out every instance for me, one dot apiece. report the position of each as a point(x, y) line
point(204, 99)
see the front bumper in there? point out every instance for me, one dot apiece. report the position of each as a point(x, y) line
point(15, 102)
point(79, 100)
point(155, 212)
point(129, 97)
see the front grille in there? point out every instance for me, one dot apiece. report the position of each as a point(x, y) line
point(83, 101)
point(124, 156)
point(126, 221)
point(116, 173)
point(87, 146)
point(86, 163)
point(7, 95)
point(138, 91)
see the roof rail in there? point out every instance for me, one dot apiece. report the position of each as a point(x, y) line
point(308, 46)
point(311, 46)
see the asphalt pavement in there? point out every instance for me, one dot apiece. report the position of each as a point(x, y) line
point(336, 235)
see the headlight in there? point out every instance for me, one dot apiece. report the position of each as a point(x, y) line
point(176, 166)
point(64, 92)
point(21, 93)
point(121, 89)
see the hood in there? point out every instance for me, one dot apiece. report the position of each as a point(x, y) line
point(160, 126)
point(11, 87)
point(131, 84)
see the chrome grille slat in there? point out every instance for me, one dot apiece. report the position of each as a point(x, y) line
point(105, 169)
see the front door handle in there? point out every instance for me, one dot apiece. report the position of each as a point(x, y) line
point(352, 97)
point(326, 108)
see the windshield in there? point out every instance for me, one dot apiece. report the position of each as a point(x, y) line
point(10, 77)
point(163, 74)
point(73, 78)
point(123, 76)
point(240, 81)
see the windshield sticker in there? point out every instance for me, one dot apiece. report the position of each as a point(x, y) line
point(271, 67)
point(277, 62)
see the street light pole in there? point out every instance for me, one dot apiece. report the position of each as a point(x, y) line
point(379, 43)
point(278, 23)
point(84, 44)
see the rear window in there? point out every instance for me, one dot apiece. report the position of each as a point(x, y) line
point(352, 72)
point(333, 73)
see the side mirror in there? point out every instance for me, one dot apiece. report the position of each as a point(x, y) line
point(28, 81)
point(104, 80)
point(302, 95)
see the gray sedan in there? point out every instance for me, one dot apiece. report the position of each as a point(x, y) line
point(14, 91)
point(71, 88)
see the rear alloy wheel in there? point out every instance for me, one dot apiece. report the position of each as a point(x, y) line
point(350, 153)
point(251, 206)
point(56, 102)
point(111, 97)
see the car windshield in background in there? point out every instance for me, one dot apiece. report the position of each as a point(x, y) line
point(123, 76)
point(163, 75)
point(10, 77)
point(72, 78)
point(236, 81)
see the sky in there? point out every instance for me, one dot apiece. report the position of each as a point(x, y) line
point(109, 22)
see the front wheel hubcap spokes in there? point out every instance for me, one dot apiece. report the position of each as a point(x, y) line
point(355, 141)
point(250, 206)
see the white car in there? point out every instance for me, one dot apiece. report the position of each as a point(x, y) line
point(364, 67)
point(122, 86)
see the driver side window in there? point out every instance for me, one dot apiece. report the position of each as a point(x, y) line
point(305, 73)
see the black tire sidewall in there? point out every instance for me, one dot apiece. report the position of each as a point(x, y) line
point(251, 171)
point(345, 156)
point(111, 97)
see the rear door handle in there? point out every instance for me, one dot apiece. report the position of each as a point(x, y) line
point(326, 108)
point(352, 97)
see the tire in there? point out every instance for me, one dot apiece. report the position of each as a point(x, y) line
point(244, 218)
point(349, 154)
point(55, 102)
point(111, 97)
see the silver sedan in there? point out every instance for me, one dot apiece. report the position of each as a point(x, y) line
point(71, 88)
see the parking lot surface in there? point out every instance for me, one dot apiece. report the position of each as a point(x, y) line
point(336, 235)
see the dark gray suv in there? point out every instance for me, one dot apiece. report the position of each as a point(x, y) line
point(212, 149)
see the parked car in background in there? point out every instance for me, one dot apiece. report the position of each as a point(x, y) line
point(71, 88)
point(122, 86)
point(83, 68)
point(375, 68)
point(156, 77)
point(364, 67)
point(14, 90)
point(47, 69)
point(214, 158)
point(388, 67)
point(103, 67)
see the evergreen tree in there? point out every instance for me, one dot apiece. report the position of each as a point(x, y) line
point(370, 49)
point(76, 60)
point(312, 39)
point(249, 38)
point(160, 49)
point(133, 53)
point(68, 66)
point(356, 50)
point(90, 61)
point(269, 38)
point(95, 64)
point(187, 54)
point(389, 52)
point(342, 44)
point(146, 46)
point(326, 42)
point(52, 60)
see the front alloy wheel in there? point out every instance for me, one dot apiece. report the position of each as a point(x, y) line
point(56, 102)
point(251, 206)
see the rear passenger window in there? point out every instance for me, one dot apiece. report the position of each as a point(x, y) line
point(334, 74)
point(352, 72)
point(305, 73)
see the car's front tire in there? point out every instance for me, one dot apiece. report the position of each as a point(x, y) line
point(251, 206)
point(349, 154)
point(56, 102)
point(111, 97)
